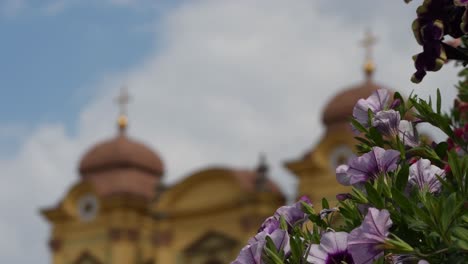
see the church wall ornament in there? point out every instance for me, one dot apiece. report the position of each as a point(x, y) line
point(116, 234)
point(162, 238)
point(55, 245)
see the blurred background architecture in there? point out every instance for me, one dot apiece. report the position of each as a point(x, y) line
point(214, 85)
point(119, 211)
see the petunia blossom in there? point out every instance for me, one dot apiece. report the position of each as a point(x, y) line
point(378, 101)
point(408, 133)
point(368, 166)
point(343, 196)
point(406, 258)
point(252, 253)
point(333, 248)
point(270, 225)
point(342, 175)
point(293, 214)
point(423, 175)
point(365, 243)
point(387, 122)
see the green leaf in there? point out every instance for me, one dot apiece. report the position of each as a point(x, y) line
point(439, 101)
point(296, 250)
point(463, 244)
point(307, 208)
point(283, 223)
point(373, 196)
point(402, 176)
point(401, 201)
point(358, 126)
point(272, 257)
point(461, 233)
point(375, 135)
point(325, 204)
point(358, 196)
point(441, 149)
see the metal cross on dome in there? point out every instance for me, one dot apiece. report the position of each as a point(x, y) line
point(122, 100)
point(368, 42)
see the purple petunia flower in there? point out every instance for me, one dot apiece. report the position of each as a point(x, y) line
point(408, 133)
point(423, 175)
point(252, 253)
point(405, 258)
point(365, 243)
point(293, 214)
point(270, 225)
point(333, 248)
point(378, 101)
point(343, 196)
point(387, 122)
point(342, 175)
point(368, 166)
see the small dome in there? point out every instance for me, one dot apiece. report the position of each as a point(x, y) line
point(121, 152)
point(340, 107)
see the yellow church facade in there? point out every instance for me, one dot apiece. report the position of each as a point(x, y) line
point(118, 211)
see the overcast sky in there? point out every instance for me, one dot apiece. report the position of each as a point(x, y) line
point(213, 83)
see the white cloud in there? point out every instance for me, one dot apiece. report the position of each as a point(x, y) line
point(230, 79)
point(55, 7)
point(10, 8)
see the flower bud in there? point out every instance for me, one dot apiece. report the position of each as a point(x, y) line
point(343, 196)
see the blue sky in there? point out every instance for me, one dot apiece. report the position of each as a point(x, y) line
point(50, 60)
point(213, 83)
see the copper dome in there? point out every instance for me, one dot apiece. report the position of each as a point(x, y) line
point(340, 107)
point(121, 152)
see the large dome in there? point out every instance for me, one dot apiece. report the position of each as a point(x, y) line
point(340, 108)
point(121, 152)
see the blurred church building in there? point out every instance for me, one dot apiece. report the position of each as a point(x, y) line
point(119, 212)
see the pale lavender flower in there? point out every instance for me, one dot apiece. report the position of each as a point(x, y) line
point(378, 101)
point(405, 259)
point(368, 166)
point(281, 240)
point(270, 225)
point(343, 196)
point(423, 175)
point(342, 175)
point(252, 253)
point(408, 133)
point(293, 214)
point(387, 122)
point(365, 243)
point(333, 248)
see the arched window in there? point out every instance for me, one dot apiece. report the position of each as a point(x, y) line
point(210, 248)
point(87, 258)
